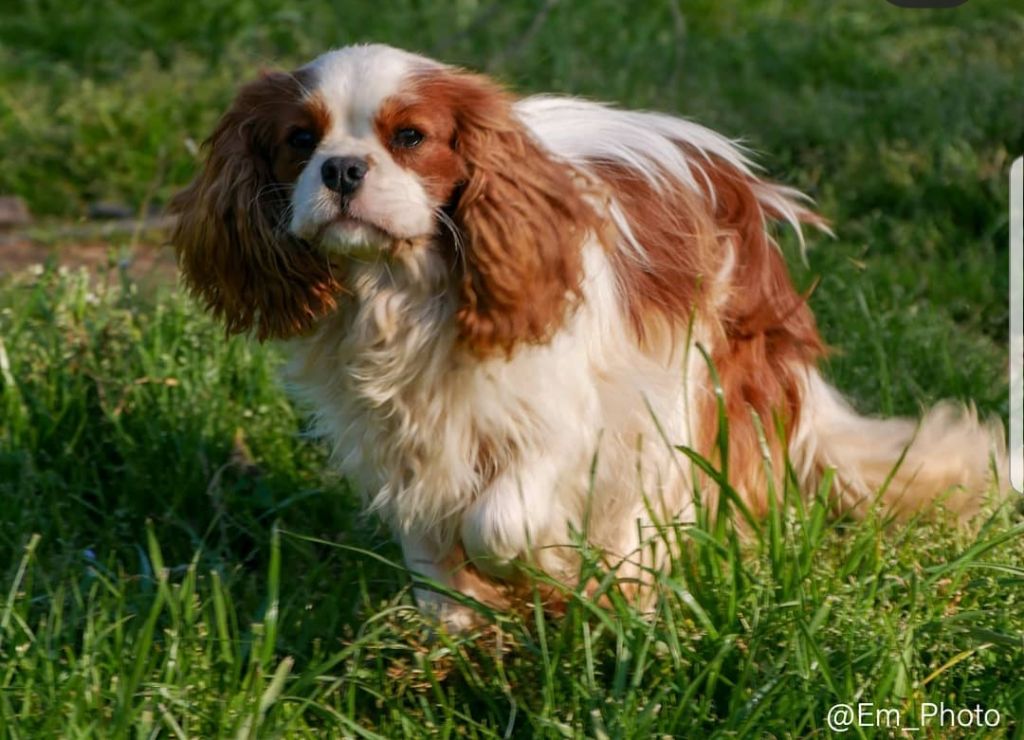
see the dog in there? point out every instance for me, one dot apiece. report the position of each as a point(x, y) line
point(507, 315)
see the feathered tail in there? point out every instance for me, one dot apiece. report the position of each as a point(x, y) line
point(949, 457)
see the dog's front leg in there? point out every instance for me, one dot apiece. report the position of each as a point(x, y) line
point(513, 517)
point(451, 570)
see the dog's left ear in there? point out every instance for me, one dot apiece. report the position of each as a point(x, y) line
point(231, 236)
point(523, 220)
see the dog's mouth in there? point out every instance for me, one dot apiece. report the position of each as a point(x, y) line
point(350, 235)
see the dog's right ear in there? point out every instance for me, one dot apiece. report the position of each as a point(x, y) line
point(231, 236)
point(520, 214)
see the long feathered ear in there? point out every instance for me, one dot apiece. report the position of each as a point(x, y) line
point(231, 237)
point(523, 220)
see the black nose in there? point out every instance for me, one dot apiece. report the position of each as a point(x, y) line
point(343, 174)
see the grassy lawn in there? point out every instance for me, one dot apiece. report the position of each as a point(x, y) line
point(176, 561)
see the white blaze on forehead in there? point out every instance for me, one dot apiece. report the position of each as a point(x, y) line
point(352, 83)
point(355, 80)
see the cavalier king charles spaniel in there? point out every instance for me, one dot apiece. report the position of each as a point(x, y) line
point(507, 315)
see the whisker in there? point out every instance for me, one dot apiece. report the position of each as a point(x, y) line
point(453, 228)
point(269, 188)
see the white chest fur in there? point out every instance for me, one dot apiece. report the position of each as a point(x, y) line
point(499, 450)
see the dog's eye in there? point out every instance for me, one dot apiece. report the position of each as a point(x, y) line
point(407, 138)
point(302, 139)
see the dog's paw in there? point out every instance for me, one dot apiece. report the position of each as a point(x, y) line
point(448, 615)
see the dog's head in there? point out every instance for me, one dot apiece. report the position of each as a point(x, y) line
point(366, 149)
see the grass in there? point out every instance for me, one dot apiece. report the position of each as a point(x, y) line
point(174, 558)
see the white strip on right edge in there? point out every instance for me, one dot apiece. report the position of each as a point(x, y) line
point(1017, 325)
